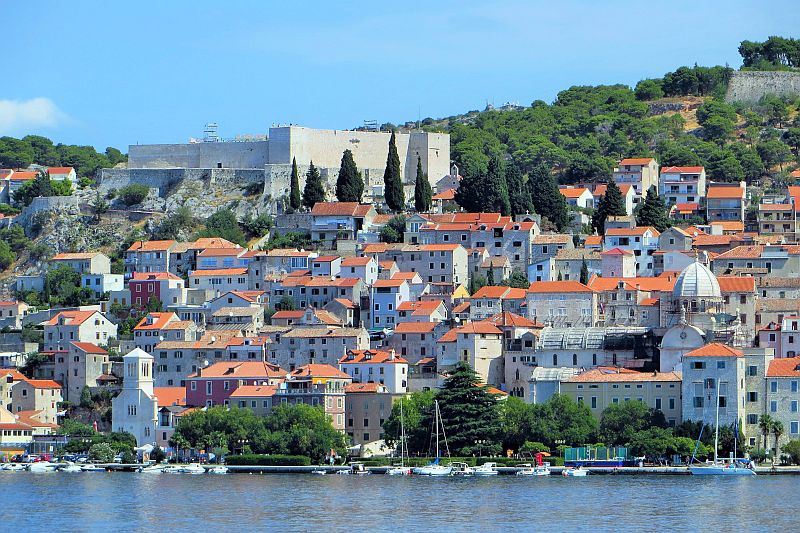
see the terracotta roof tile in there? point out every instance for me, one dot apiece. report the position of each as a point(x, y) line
point(788, 367)
point(170, 396)
point(371, 356)
point(715, 349)
point(558, 287)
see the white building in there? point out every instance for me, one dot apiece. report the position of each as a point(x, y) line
point(682, 184)
point(377, 366)
point(642, 241)
point(135, 410)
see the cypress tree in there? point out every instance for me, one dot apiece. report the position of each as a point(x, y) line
point(653, 212)
point(469, 413)
point(610, 204)
point(392, 183)
point(349, 185)
point(584, 272)
point(314, 191)
point(422, 190)
point(490, 276)
point(517, 192)
point(486, 192)
point(546, 198)
point(294, 192)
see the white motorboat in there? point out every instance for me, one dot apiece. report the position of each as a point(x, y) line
point(151, 469)
point(461, 469)
point(71, 468)
point(436, 469)
point(43, 466)
point(575, 472)
point(528, 470)
point(92, 468)
point(194, 468)
point(14, 467)
point(486, 469)
point(219, 470)
point(318, 472)
point(399, 471)
point(172, 469)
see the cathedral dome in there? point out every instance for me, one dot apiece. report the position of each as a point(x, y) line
point(697, 281)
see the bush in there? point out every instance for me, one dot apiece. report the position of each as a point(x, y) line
point(533, 447)
point(792, 450)
point(254, 459)
point(158, 455)
point(133, 194)
point(101, 453)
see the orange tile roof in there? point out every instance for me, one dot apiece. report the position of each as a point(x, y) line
point(728, 225)
point(682, 170)
point(687, 207)
point(155, 321)
point(212, 242)
point(472, 328)
point(345, 302)
point(154, 276)
point(254, 391)
point(500, 292)
point(712, 240)
point(72, 318)
point(615, 375)
point(449, 194)
point(637, 161)
point(415, 327)
point(170, 395)
point(372, 357)
point(788, 367)
point(285, 315)
point(725, 192)
point(151, 246)
point(439, 247)
point(649, 301)
point(617, 251)
point(508, 319)
point(219, 272)
point(245, 369)
point(59, 170)
point(44, 383)
point(715, 349)
point(408, 276)
point(774, 207)
point(74, 256)
point(795, 173)
point(593, 240)
point(363, 388)
point(638, 230)
point(573, 192)
point(647, 284)
point(29, 419)
point(742, 252)
point(463, 307)
point(340, 209)
point(221, 252)
point(600, 190)
point(737, 283)
point(388, 283)
point(356, 261)
point(23, 176)
point(318, 371)
point(89, 347)
point(558, 287)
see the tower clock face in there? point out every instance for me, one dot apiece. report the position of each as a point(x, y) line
point(683, 334)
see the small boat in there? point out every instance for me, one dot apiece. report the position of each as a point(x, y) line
point(575, 472)
point(151, 469)
point(43, 466)
point(434, 468)
point(399, 471)
point(14, 467)
point(92, 468)
point(358, 469)
point(219, 470)
point(72, 468)
point(318, 472)
point(461, 469)
point(194, 468)
point(527, 469)
point(173, 469)
point(486, 469)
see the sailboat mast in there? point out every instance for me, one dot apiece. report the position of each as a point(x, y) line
point(436, 423)
point(716, 430)
point(402, 432)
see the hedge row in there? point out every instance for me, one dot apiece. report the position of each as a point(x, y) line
point(267, 460)
point(471, 461)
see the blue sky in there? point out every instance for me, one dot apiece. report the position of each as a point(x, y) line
point(118, 73)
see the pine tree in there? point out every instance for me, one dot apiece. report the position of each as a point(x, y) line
point(392, 182)
point(294, 193)
point(611, 204)
point(560, 277)
point(518, 194)
point(314, 191)
point(422, 190)
point(469, 413)
point(349, 185)
point(490, 276)
point(584, 272)
point(653, 212)
point(546, 198)
point(497, 200)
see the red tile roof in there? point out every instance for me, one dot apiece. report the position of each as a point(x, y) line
point(154, 276)
point(508, 319)
point(170, 396)
point(715, 349)
point(725, 192)
point(286, 315)
point(72, 318)
point(219, 272)
point(151, 246)
point(254, 391)
point(318, 371)
point(44, 383)
point(500, 292)
point(371, 356)
point(415, 327)
point(363, 388)
point(737, 284)
point(59, 170)
point(89, 347)
point(788, 367)
point(682, 170)
point(558, 287)
point(388, 283)
point(636, 161)
point(351, 209)
point(617, 251)
point(356, 261)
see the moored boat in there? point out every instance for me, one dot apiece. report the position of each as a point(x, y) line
point(220, 469)
point(71, 468)
point(461, 469)
point(92, 468)
point(486, 469)
point(575, 472)
point(43, 466)
point(434, 468)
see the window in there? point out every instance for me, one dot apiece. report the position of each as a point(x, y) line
point(794, 427)
point(752, 370)
point(794, 386)
point(773, 386)
point(720, 365)
point(752, 419)
point(752, 396)
point(193, 385)
point(594, 402)
point(773, 406)
point(672, 403)
point(208, 387)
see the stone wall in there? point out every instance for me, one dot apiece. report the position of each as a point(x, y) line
point(165, 179)
point(251, 154)
point(50, 203)
point(750, 87)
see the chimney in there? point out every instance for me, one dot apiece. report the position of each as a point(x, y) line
point(391, 355)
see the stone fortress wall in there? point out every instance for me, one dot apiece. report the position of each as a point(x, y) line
point(751, 86)
point(163, 166)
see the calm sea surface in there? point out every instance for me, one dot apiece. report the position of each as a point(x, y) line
point(240, 503)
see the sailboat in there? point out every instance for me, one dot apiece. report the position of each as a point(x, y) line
point(401, 470)
point(734, 467)
point(436, 469)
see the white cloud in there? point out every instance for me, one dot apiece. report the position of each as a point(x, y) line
point(22, 116)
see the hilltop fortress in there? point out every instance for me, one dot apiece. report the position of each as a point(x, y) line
point(161, 166)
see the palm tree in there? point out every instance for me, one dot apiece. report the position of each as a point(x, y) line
point(777, 431)
point(765, 425)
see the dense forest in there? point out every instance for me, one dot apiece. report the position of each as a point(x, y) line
point(20, 153)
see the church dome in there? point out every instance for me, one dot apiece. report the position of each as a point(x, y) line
point(697, 281)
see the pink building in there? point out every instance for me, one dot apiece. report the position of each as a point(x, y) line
point(214, 384)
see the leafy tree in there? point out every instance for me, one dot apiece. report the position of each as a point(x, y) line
point(86, 397)
point(486, 192)
point(223, 224)
point(611, 204)
point(749, 160)
point(652, 442)
point(349, 185)
point(584, 272)
point(773, 152)
point(653, 212)
point(133, 194)
point(765, 426)
point(546, 198)
point(417, 414)
point(62, 287)
point(724, 167)
point(619, 422)
point(100, 204)
point(392, 181)
point(42, 185)
point(158, 455)
point(490, 277)
point(75, 428)
point(422, 190)
point(15, 237)
point(562, 418)
point(792, 449)
point(518, 194)
point(776, 110)
point(476, 282)
point(294, 194)
point(469, 412)
point(515, 416)
point(517, 280)
point(314, 191)
point(394, 229)
point(258, 226)
point(285, 304)
point(649, 90)
point(33, 361)
point(101, 453)
point(7, 257)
